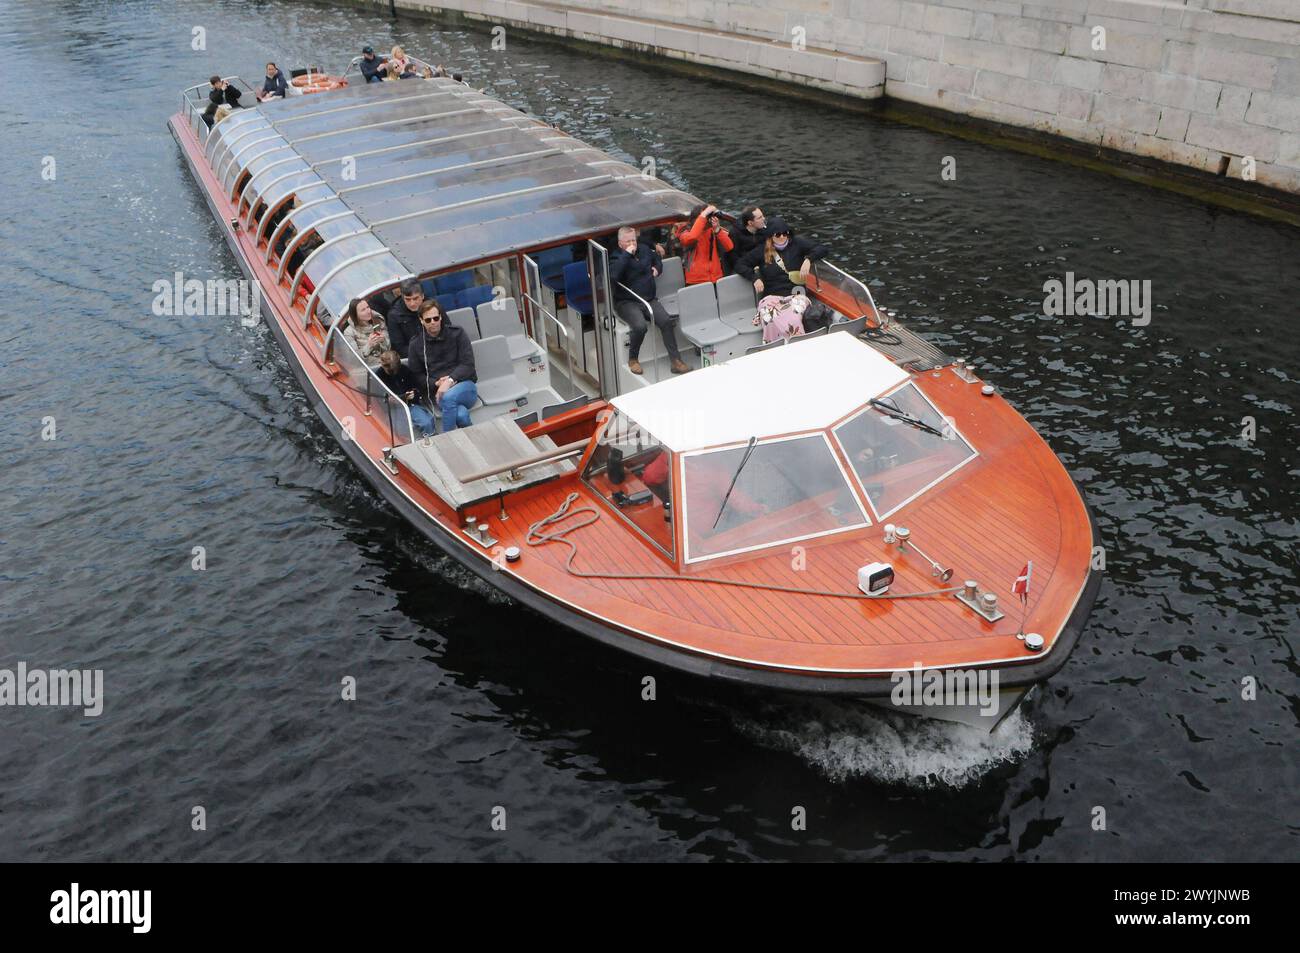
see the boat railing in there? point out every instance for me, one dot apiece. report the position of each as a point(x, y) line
point(191, 103)
point(830, 275)
point(362, 378)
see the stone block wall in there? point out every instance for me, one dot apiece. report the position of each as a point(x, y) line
point(1211, 84)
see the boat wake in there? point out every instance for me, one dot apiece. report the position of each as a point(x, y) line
point(847, 741)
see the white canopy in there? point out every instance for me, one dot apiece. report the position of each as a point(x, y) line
point(805, 385)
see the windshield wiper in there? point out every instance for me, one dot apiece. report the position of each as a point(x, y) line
point(749, 450)
point(891, 410)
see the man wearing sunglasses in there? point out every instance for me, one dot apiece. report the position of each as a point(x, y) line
point(442, 359)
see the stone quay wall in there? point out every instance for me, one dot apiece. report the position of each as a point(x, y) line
point(1209, 84)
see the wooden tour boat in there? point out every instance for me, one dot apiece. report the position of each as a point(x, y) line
point(827, 515)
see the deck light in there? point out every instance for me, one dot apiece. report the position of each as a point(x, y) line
point(1033, 642)
point(512, 554)
point(875, 578)
point(987, 390)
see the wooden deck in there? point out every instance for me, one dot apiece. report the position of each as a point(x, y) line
point(1013, 503)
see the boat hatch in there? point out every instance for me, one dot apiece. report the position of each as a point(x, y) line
point(894, 461)
point(440, 461)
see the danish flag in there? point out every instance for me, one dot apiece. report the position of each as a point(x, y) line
point(1021, 586)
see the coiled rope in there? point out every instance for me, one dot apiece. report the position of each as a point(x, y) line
point(538, 537)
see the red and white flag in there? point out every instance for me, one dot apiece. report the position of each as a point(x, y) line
point(1021, 586)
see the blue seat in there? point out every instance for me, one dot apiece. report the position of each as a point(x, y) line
point(550, 266)
point(577, 288)
point(427, 286)
point(447, 302)
point(473, 297)
point(454, 283)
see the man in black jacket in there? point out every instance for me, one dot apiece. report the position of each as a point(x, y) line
point(633, 268)
point(372, 66)
point(750, 232)
point(442, 361)
point(403, 318)
point(222, 93)
point(274, 86)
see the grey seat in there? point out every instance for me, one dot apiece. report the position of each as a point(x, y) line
point(810, 334)
point(497, 383)
point(501, 316)
point(854, 327)
point(779, 342)
point(669, 283)
point(737, 303)
point(699, 316)
point(552, 410)
point(463, 318)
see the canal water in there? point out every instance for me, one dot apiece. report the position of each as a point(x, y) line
point(223, 686)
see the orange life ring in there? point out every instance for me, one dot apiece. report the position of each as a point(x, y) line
point(318, 82)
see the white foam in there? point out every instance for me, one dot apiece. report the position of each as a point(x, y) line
point(848, 740)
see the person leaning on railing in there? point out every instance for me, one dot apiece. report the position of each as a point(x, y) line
point(398, 378)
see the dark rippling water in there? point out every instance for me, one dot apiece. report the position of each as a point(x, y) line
point(223, 685)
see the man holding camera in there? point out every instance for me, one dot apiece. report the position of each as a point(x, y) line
point(633, 268)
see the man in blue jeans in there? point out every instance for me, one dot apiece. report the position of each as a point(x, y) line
point(442, 360)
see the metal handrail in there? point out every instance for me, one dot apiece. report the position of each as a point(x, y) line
point(383, 388)
point(573, 449)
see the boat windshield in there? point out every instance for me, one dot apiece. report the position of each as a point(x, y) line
point(896, 459)
point(632, 469)
point(788, 489)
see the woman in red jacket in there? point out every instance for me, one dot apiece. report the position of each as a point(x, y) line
point(700, 239)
